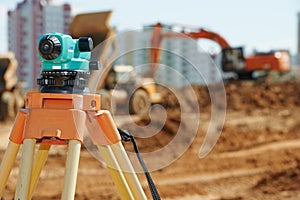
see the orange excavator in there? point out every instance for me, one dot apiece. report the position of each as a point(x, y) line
point(233, 59)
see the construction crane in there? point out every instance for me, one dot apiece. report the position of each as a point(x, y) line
point(233, 59)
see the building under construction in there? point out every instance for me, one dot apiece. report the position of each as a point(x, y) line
point(29, 20)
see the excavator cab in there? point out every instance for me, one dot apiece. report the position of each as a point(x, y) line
point(233, 59)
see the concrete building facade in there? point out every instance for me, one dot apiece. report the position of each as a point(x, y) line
point(29, 20)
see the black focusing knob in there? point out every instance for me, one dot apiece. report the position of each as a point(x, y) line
point(85, 44)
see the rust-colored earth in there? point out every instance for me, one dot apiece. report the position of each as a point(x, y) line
point(256, 157)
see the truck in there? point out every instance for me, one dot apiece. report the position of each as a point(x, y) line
point(96, 25)
point(126, 87)
point(11, 98)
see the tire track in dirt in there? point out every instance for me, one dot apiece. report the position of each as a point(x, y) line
point(208, 177)
point(235, 173)
point(274, 146)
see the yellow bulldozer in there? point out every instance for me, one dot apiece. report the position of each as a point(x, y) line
point(96, 25)
point(11, 99)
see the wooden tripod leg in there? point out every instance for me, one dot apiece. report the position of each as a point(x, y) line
point(114, 155)
point(71, 170)
point(128, 171)
point(115, 171)
point(25, 170)
point(38, 166)
point(7, 164)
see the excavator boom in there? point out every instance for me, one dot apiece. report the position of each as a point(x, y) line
point(158, 34)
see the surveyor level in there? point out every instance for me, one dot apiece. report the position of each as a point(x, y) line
point(60, 119)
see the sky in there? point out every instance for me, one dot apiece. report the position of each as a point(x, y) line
point(253, 24)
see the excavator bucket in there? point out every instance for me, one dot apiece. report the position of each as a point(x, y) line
point(93, 25)
point(96, 25)
point(8, 67)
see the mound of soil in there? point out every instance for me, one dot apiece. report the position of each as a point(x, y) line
point(256, 156)
point(240, 95)
point(253, 95)
point(162, 137)
point(274, 182)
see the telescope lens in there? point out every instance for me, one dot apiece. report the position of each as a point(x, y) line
point(50, 47)
point(46, 47)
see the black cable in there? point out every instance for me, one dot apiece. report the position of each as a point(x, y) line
point(126, 136)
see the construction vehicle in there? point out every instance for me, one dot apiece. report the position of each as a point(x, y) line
point(96, 26)
point(11, 99)
point(124, 84)
point(233, 59)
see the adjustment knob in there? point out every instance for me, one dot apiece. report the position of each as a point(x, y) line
point(85, 44)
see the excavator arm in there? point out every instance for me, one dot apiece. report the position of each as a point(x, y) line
point(205, 34)
point(233, 61)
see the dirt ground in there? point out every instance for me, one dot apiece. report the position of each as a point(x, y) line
point(256, 157)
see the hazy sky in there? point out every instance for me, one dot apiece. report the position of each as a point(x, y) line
point(254, 24)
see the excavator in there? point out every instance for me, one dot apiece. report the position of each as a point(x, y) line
point(11, 99)
point(96, 25)
point(233, 59)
